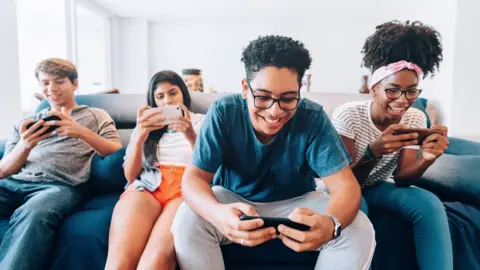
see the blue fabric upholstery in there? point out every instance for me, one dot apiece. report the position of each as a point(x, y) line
point(107, 173)
point(421, 104)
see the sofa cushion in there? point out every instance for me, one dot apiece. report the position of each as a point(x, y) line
point(2, 147)
point(107, 173)
point(83, 238)
point(272, 253)
point(421, 104)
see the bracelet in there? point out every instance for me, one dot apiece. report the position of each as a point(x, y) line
point(368, 154)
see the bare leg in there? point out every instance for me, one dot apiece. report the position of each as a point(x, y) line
point(160, 250)
point(133, 219)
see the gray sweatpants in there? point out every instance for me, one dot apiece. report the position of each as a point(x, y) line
point(197, 242)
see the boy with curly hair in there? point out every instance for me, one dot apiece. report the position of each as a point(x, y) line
point(262, 149)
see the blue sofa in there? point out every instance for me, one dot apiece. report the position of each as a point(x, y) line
point(82, 240)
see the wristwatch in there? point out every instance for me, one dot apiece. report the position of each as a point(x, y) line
point(337, 227)
point(368, 154)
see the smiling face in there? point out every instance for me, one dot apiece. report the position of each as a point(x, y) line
point(389, 108)
point(276, 83)
point(59, 91)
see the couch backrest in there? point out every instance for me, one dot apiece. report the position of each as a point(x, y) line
point(123, 107)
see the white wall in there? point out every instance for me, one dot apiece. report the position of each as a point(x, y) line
point(334, 36)
point(10, 108)
point(466, 91)
point(133, 74)
point(42, 33)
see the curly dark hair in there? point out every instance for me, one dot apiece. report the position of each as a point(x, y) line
point(410, 41)
point(277, 51)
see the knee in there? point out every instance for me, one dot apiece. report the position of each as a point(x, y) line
point(186, 224)
point(120, 264)
point(164, 258)
point(359, 237)
point(361, 231)
point(36, 215)
point(427, 203)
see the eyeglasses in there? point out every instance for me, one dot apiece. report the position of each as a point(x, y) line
point(411, 94)
point(266, 102)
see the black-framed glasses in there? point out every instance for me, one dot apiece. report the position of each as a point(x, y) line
point(411, 94)
point(266, 102)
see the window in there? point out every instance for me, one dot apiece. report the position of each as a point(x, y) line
point(42, 33)
point(92, 49)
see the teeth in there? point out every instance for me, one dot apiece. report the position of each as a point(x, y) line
point(396, 109)
point(271, 121)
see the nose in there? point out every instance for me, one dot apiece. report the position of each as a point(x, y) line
point(167, 100)
point(275, 110)
point(51, 87)
point(402, 99)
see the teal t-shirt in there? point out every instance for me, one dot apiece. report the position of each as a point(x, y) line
point(283, 169)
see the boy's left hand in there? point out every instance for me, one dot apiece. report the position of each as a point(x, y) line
point(321, 230)
point(67, 126)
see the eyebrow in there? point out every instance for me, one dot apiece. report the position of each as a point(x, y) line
point(268, 92)
point(399, 86)
point(166, 91)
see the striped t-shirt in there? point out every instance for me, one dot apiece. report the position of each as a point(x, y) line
point(354, 120)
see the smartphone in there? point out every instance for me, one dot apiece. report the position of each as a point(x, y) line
point(423, 133)
point(46, 119)
point(275, 221)
point(167, 111)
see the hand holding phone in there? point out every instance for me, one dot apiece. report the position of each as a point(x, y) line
point(163, 113)
point(276, 221)
point(423, 133)
point(31, 132)
point(46, 119)
point(390, 140)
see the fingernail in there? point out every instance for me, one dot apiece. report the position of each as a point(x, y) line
point(274, 236)
point(272, 231)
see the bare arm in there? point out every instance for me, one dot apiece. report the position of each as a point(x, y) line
point(198, 193)
point(71, 128)
point(134, 161)
point(410, 168)
point(13, 162)
point(102, 146)
point(345, 196)
point(362, 167)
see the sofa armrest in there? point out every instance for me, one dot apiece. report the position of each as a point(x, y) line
point(2, 147)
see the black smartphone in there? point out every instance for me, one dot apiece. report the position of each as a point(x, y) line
point(423, 133)
point(46, 119)
point(275, 221)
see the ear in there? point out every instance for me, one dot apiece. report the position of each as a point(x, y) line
point(75, 84)
point(373, 90)
point(244, 88)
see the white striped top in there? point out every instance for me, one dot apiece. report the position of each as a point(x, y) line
point(354, 120)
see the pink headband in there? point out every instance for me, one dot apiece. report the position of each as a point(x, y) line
point(385, 71)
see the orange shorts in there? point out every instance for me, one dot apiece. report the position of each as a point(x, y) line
point(171, 186)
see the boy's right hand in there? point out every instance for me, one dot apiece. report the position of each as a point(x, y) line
point(246, 232)
point(29, 138)
point(388, 143)
point(146, 124)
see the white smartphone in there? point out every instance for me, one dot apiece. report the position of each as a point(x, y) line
point(167, 111)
